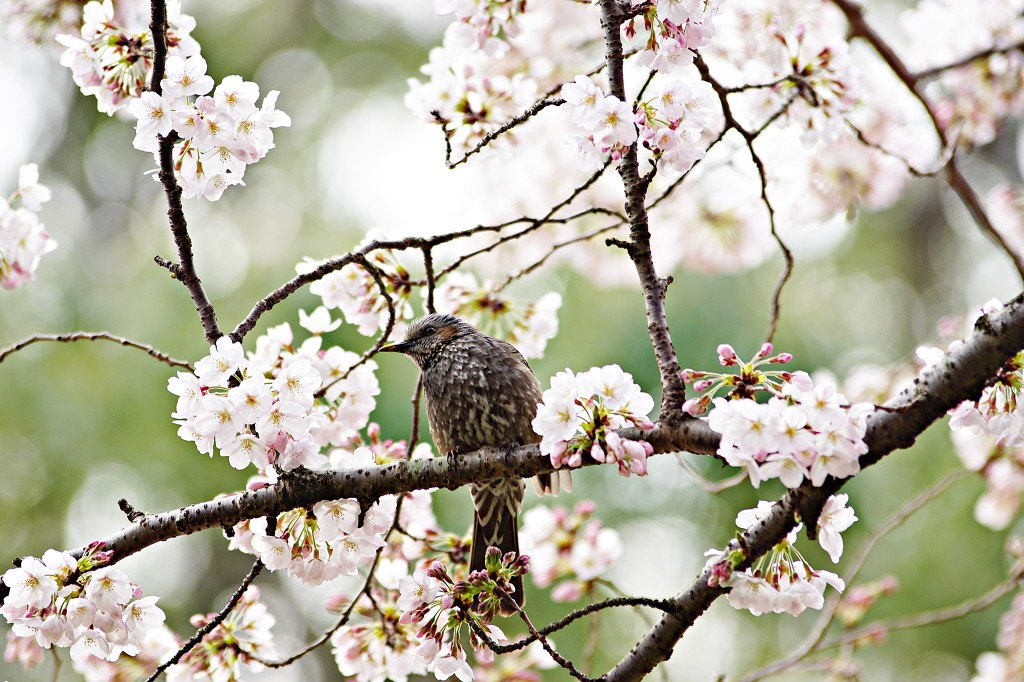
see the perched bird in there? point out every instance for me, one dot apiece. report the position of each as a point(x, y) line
point(480, 392)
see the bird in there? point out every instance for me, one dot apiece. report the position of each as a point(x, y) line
point(480, 392)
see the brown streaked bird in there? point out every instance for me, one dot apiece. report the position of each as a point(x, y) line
point(480, 392)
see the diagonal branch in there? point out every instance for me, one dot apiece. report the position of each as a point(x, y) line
point(256, 569)
point(859, 27)
point(961, 375)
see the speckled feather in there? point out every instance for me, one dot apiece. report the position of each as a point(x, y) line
point(480, 392)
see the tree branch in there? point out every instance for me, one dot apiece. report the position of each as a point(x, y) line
point(961, 375)
point(93, 336)
point(654, 288)
point(184, 270)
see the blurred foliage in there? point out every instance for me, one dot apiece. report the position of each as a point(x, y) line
point(85, 424)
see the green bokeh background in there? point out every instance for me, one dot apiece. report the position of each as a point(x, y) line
point(82, 425)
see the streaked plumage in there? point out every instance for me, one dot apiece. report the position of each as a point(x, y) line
point(479, 392)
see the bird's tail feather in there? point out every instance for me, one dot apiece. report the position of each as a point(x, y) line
point(496, 524)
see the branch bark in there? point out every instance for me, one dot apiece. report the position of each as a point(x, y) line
point(639, 247)
point(961, 375)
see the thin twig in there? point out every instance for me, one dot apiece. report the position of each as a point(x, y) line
point(859, 27)
point(708, 486)
point(257, 567)
point(277, 296)
point(508, 125)
point(930, 617)
point(965, 61)
point(973, 203)
point(94, 336)
point(551, 252)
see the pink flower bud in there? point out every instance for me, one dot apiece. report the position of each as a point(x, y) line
point(688, 375)
point(720, 572)
point(765, 351)
point(694, 407)
point(702, 385)
point(726, 355)
point(597, 453)
point(781, 358)
point(337, 603)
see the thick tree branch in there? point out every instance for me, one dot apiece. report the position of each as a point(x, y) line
point(961, 375)
point(304, 488)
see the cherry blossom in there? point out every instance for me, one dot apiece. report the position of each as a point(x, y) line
point(23, 237)
point(84, 604)
point(580, 413)
point(781, 581)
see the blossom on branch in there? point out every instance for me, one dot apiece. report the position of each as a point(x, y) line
point(781, 581)
point(803, 432)
point(83, 604)
point(279, 405)
point(580, 413)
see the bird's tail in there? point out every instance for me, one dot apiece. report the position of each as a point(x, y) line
point(496, 524)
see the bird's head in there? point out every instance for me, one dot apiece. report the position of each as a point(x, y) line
point(429, 334)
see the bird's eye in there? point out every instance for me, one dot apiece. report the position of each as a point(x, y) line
point(429, 329)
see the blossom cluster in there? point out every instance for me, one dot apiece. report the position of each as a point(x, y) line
point(671, 123)
point(673, 31)
point(468, 90)
point(527, 326)
point(318, 544)
point(218, 136)
point(23, 238)
point(279, 405)
point(39, 21)
point(80, 603)
point(580, 414)
point(381, 647)
point(567, 546)
point(803, 432)
point(782, 581)
point(443, 607)
point(114, 63)
point(606, 118)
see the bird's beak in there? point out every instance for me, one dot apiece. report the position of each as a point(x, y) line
point(396, 347)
